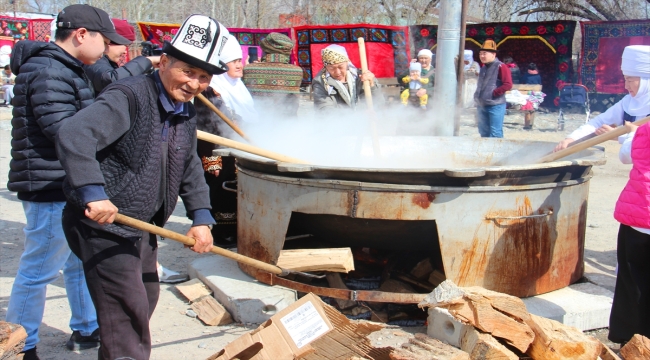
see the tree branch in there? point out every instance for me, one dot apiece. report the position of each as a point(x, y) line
point(571, 12)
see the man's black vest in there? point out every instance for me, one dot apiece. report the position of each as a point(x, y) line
point(133, 165)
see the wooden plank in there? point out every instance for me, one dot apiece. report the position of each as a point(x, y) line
point(483, 346)
point(436, 277)
point(423, 269)
point(637, 348)
point(211, 312)
point(556, 341)
point(334, 260)
point(527, 87)
point(193, 289)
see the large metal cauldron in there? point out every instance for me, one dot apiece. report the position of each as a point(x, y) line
point(517, 229)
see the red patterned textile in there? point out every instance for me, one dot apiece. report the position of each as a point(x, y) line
point(387, 47)
point(40, 29)
point(248, 37)
point(602, 47)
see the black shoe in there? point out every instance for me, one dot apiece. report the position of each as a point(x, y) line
point(30, 354)
point(79, 342)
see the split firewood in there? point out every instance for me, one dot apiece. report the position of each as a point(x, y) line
point(501, 315)
point(335, 281)
point(395, 286)
point(607, 354)
point(193, 289)
point(422, 347)
point(211, 312)
point(423, 269)
point(483, 346)
point(206, 307)
point(12, 340)
point(334, 260)
point(556, 341)
point(437, 277)
point(637, 348)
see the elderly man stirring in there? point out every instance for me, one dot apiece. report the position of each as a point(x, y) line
point(134, 149)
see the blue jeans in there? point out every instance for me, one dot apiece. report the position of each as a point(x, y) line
point(46, 253)
point(490, 120)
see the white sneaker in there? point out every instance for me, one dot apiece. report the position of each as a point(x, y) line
point(169, 276)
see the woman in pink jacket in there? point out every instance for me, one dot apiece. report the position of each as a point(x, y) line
point(631, 307)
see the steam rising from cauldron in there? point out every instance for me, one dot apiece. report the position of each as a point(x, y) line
point(343, 139)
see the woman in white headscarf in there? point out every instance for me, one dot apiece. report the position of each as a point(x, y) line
point(471, 69)
point(634, 106)
point(631, 304)
point(339, 84)
point(229, 85)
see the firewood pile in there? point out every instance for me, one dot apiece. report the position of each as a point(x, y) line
point(498, 326)
point(12, 340)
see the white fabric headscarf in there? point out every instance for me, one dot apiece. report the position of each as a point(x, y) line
point(636, 62)
point(468, 55)
point(425, 52)
point(232, 90)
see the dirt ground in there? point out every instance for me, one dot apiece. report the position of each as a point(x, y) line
point(177, 336)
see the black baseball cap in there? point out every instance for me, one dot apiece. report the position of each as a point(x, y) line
point(91, 18)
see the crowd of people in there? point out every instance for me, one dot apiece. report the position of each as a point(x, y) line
point(91, 137)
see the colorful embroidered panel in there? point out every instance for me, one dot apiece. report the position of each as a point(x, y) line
point(387, 47)
point(14, 29)
point(158, 33)
point(602, 47)
point(547, 44)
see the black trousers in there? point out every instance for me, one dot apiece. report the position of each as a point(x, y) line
point(631, 307)
point(123, 283)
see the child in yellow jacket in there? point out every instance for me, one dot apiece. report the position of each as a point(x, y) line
point(415, 82)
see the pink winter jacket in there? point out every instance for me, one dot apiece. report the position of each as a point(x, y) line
point(633, 205)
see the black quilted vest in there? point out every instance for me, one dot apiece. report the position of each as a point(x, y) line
point(132, 166)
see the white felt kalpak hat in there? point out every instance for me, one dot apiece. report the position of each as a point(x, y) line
point(636, 61)
point(199, 42)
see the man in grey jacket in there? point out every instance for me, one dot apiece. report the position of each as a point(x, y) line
point(134, 150)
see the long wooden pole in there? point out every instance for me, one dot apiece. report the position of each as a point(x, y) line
point(610, 135)
point(368, 95)
point(186, 240)
point(223, 117)
point(214, 139)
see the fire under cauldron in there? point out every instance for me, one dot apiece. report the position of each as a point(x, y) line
point(496, 219)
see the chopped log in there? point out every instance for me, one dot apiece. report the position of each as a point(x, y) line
point(211, 312)
point(483, 346)
point(395, 286)
point(379, 316)
point(501, 315)
point(12, 340)
point(423, 269)
point(607, 354)
point(555, 341)
point(413, 281)
point(334, 260)
point(437, 277)
point(335, 281)
point(637, 348)
point(422, 347)
point(193, 289)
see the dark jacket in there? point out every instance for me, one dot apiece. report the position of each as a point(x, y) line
point(105, 72)
point(493, 82)
point(516, 74)
point(51, 86)
point(328, 101)
point(531, 79)
point(208, 121)
point(141, 162)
